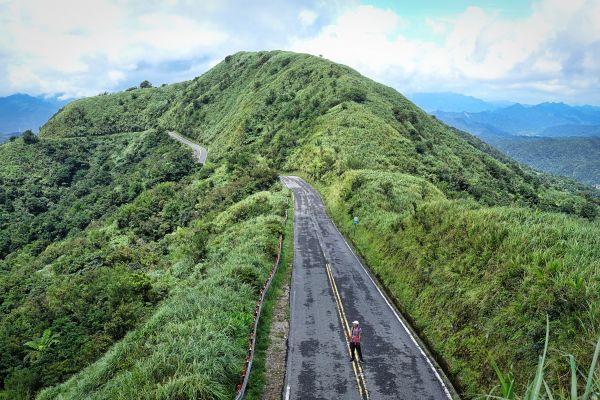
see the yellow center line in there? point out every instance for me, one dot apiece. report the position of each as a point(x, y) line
point(360, 377)
point(347, 326)
point(330, 276)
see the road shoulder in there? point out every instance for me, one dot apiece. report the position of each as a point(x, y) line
point(268, 373)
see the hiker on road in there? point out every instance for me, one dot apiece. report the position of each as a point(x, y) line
point(355, 337)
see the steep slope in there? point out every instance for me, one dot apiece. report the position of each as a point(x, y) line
point(114, 243)
point(567, 150)
point(55, 187)
point(498, 244)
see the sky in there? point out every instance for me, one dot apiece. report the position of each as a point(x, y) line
point(518, 50)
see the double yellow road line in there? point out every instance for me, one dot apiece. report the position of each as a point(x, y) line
point(358, 372)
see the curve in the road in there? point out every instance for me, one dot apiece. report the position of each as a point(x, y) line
point(331, 287)
point(200, 152)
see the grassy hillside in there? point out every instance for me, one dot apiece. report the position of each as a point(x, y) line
point(478, 281)
point(117, 234)
point(473, 247)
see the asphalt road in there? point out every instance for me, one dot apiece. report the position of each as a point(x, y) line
point(331, 288)
point(200, 152)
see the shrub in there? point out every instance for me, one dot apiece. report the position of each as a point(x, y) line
point(29, 137)
point(354, 93)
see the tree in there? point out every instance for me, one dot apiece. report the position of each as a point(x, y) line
point(38, 346)
point(29, 137)
point(145, 85)
point(354, 93)
point(588, 210)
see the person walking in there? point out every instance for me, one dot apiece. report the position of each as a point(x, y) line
point(355, 338)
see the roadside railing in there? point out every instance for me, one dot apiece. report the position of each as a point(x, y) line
point(241, 387)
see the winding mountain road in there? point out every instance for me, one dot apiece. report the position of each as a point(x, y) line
point(330, 287)
point(200, 152)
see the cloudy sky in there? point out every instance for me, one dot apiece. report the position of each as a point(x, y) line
point(520, 50)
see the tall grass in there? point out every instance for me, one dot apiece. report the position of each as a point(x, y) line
point(582, 386)
point(258, 377)
point(475, 279)
point(194, 345)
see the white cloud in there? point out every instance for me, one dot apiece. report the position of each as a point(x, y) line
point(87, 47)
point(307, 17)
point(359, 37)
point(482, 52)
point(436, 26)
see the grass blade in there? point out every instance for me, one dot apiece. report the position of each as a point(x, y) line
point(539, 375)
point(548, 391)
point(573, 378)
point(590, 379)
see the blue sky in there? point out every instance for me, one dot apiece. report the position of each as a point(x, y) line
point(528, 51)
point(432, 8)
point(417, 12)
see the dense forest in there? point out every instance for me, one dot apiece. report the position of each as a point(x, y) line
point(121, 231)
point(574, 157)
point(133, 271)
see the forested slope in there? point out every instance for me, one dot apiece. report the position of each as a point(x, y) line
point(124, 233)
point(475, 248)
point(574, 157)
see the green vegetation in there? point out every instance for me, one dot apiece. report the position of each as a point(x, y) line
point(152, 237)
point(55, 187)
point(575, 157)
point(138, 259)
point(29, 137)
point(256, 383)
point(194, 344)
point(580, 382)
point(476, 280)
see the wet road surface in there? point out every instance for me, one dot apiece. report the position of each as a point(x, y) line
point(331, 288)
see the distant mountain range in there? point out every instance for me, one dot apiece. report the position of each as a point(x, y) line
point(552, 137)
point(20, 112)
point(454, 102)
point(545, 119)
point(5, 136)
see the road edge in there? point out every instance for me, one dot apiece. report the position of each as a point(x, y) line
point(285, 389)
point(421, 344)
point(281, 278)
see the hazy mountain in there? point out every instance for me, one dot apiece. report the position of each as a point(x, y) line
point(5, 136)
point(572, 130)
point(553, 119)
point(20, 112)
point(452, 102)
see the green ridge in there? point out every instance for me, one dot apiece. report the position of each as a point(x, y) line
point(474, 247)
